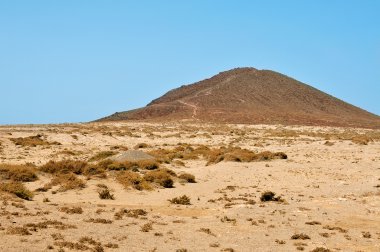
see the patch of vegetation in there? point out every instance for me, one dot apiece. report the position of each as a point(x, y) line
point(72, 210)
point(162, 177)
point(104, 193)
point(214, 156)
point(32, 141)
point(131, 213)
point(300, 236)
point(320, 249)
point(64, 167)
point(183, 200)
point(22, 173)
point(146, 227)
point(99, 220)
point(18, 231)
point(270, 196)
point(67, 182)
point(141, 146)
point(102, 155)
point(123, 166)
point(189, 178)
point(16, 188)
point(132, 179)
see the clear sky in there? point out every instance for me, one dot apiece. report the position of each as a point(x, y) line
point(79, 60)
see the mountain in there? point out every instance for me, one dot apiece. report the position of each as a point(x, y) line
point(251, 96)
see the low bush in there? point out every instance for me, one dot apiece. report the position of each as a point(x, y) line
point(22, 173)
point(16, 188)
point(132, 179)
point(162, 177)
point(102, 155)
point(64, 167)
point(32, 141)
point(183, 200)
point(189, 178)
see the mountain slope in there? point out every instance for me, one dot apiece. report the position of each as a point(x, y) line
point(248, 95)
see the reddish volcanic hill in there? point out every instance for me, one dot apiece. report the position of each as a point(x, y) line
point(248, 95)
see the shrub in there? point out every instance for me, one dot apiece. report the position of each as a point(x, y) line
point(132, 179)
point(106, 194)
point(18, 231)
point(102, 155)
point(32, 141)
point(183, 200)
point(189, 178)
point(269, 196)
point(64, 166)
point(21, 173)
point(301, 236)
point(67, 182)
point(161, 177)
point(73, 210)
point(16, 188)
point(141, 145)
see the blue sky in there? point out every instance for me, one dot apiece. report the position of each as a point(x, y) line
point(79, 60)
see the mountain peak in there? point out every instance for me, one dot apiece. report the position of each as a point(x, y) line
point(248, 95)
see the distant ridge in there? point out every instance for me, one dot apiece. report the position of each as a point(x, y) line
point(251, 96)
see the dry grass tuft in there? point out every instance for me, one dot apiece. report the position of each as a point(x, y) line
point(67, 182)
point(32, 141)
point(300, 236)
point(64, 167)
point(131, 213)
point(22, 173)
point(132, 179)
point(102, 155)
point(320, 249)
point(189, 178)
point(72, 210)
point(146, 227)
point(16, 188)
point(18, 231)
point(98, 220)
point(183, 200)
point(141, 146)
point(104, 193)
point(162, 177)
point(270, 196)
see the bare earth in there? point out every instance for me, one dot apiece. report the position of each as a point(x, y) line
point(330, 186)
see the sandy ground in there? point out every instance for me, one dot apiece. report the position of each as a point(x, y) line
point(331, 192)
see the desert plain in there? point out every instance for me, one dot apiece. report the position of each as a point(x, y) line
point(208, 187)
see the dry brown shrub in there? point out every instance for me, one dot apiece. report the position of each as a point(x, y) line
point(16, 188)
point(18, 231)
point(183, 200)
point(300, 236)
point(141, 146)
point(269, 196)
point(131, 213)
point(67, 182)
point(72, 210)
point(64, 166)
point(362, 139)
point(320, 249)
point(189, 178)
point(162, 177)
point(146, 227)
point(22, 173)
point(102, 155)
point(32, 141)
point(105, 193)
point(49, 223)
point(71, 245)
point(132, 179)
point(99, 220)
